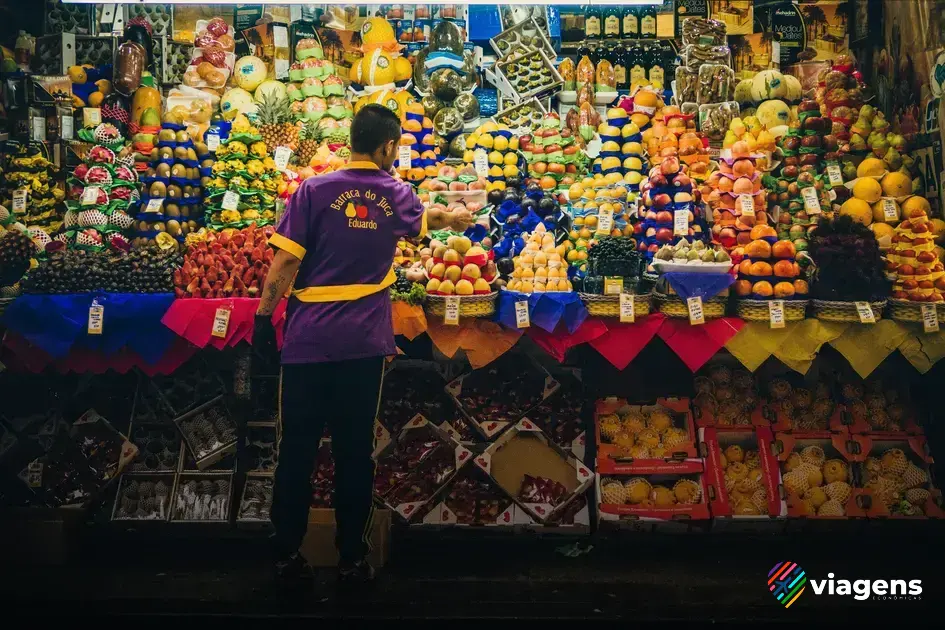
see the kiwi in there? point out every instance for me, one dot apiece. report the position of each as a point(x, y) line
point(197, 191)
point(158, 189)
point(192, 225)
point(173, 191)
point(166, 135)
point(182, 136)
point(163, 170)
point(205, 181)
point(178, 170)
point(150, 172)
point(193, 172)
point(142, 226)
point(180, 153)
point(187, 192)
point(185, 211)
point(173, 227)
point(172, 210)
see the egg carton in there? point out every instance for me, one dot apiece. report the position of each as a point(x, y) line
point(202, 498)
point(209, 432)
point(67, 18)
point(256, 501)
point(261, 450)
point(143, 498)
point(95, 51)
point(159, 16)
point(175, 60)
point(159, 447)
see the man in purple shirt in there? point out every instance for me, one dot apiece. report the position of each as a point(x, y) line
point(337, 240)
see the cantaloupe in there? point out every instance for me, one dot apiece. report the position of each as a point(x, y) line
point(768, 84)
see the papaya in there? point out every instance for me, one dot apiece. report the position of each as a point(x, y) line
point(145, 97)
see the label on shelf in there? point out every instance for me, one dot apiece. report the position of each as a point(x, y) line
point(281, 157)
point(19, 200)
point(929, 318)
point(68, 127)
point(451, 313)
point(155, 204)
point(213, 141)
point(865, 312)
point(746, 204)
point(627, 315)
point(521, 314)
point(221, 322)
point(605, 221)
point(38, 129)
point(481, 162)
point(776, 313)
point(696, 314)
point(403, 157)
point(680, 222)
point(230, 201)
point(90, 195)
point(34, 474)
point(96, 318)
point(834, 175)
point(811, 202)
point(91, 116)
point(890, 211)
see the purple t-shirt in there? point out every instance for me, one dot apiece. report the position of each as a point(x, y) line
point(344, 227)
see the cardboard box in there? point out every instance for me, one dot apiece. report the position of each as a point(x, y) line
point(574, 518)
point(783, 421)
point(916, 452)
point(714, 443)
point(560, 417)
point(676, 518)
point(318, 546)
point(611, 458)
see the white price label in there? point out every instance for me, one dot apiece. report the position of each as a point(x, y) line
point(746, 204)
point(451, 313)
point(696, 314)
point(34, 474)
point(213, 141)
point(832, 194)
point(68, 127)
point(90, 195)
point(221, 321)
point(715, 153)
point(605, 221)
point(155, 205)
point(627, 314)
point(613, 285)
point(776, 313)
point(281, 157)
point(91, 116)
point(890, 211)
point(865, 312)
point(19, 201)
point(39, 129)
point(811, 202)
point(929, 318)
point(681, 223)
point(834, 175)
point(96, 318)
point(403, 157)
point(231, 200)
point(521, 314)
point(481, 162)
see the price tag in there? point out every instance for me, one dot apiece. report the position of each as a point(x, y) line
point(90, 196)
point(521, 314)
point(213, 141)
point(68, 127)
point(865, 312)
point(613, 285)
point(776, 313)
point(221, 321)
point(834, 175)
point(811, 202)
point(696, 315)
point(681, 222)
point(230, 200)
point(91, 116)
point(715, 153)
point(39, 129)
point(451, 314)
point(605, 221)
point(890, 211)
point(481, 162)
point(633, 208)
point(155, 204)
point(281, 157)
point(747, 205)
point(929, 318)
point(34, 474)
point(19, 201)
point(96, 318)
point(832, 194)
point(627, 315)
point(403, 157)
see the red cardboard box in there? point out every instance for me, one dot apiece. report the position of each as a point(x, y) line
point(638, 420)
point(646, 513)
point(915, 496)
point(720, 448)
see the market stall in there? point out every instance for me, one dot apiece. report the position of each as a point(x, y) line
point(633, 193)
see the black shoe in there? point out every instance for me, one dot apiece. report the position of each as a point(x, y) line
point(294, 569)
point(354, 574)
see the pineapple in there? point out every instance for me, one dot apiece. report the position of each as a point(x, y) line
point(308, 142)
point(275, 122)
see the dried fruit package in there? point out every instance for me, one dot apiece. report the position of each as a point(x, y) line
point(585, 72)
point(215, 32)
point(606, 80)
point(715, 118)
point(716, 83)
point(698, 54)
point(566, 69)
point(696, 30)
point(585, 94)
point(686, 84)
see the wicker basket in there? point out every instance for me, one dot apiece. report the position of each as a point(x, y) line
point(4, 303)
point(675, 306)
point(844, 311)
point(609, 305)
point(469, 305)
point(909, 311)
point(758, 311)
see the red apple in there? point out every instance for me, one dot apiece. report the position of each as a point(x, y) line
point(664, 235)
point(664, 216)
point(662, 200)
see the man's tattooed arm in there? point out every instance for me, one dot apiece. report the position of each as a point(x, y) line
point(278, 280)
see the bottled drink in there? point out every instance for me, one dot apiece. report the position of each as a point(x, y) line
point(657, 68)
point(592, 22)
point(631, 22)
point(612, 15)
point(636, 63)
point(621, 73)
point(648, 22)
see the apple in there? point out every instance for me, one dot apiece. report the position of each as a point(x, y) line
point(664, 216)
point(553, 148)
point(540, 168)
point(555, 168)
point(571, 168)
point(662, 200)
point(654, 247)
point(664, 235)
point(570, 150)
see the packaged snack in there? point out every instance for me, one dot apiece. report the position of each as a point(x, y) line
point(716, 83)
point(585, 94)
point(697, 54)
point(585, 72)
point(696, 30)
point(686, 84)
point(606, 81)
point(715, 118)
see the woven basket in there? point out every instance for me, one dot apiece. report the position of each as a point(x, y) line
point(675, 306)
point(609, 305)
point(469, 305)
point(844, 311)
point(909, 311)
point(757, 310)
point(4, 303)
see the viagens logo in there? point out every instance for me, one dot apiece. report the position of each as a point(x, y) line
point(787, 582)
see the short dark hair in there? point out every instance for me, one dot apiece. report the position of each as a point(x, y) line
point(373, 126)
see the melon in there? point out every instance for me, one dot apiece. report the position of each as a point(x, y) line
point(773, 114)
point(269, 87)
point(237, 101)
point(794, 89)
point(250, 72)
point(743, 91)
point(858, 210)
point(768, 84)
point(896, 184)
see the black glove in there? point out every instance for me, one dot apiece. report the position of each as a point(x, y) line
point(264, 337)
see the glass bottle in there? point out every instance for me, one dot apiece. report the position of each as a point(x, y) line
point(648, 22)
point(621, 72)
point(631, 22)
point(612, 15)
point(592, 22)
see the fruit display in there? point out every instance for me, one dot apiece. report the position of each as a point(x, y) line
point(473, 499)
point(540, 267)
point(916, 272)
point(29, 188)
point(896, 474)
point(880, 407)
point(231, 263)
point(459, 267)
point(406, 290)
point(693, 254)
point(245, 180)
point(849, 267)
point(673, 206)
point(411, 389)
point(552, 151)
point(560, 418)
point(425, 157)
point(611, 195)
point(768, 270)
point(610, 260)
point(818, 479)
point(212, 60)
point(147, 269)
point(523, 118)
point(530, 74)
point(16, 251)
point(799, 409)
point(502, 153)
point(737, 198)
point(653, 498)
point(643, 432)
point(743, 476)
point(725, 398)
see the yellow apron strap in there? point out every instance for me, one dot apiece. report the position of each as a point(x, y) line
point(343, 292)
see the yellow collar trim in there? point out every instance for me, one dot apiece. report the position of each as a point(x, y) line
point(362, 165)
point(343, 292)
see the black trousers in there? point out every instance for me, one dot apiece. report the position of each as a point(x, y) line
point(345, 395)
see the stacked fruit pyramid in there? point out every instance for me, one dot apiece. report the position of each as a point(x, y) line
point(244, 168)
point(917, 274)
point(425, 157)
point(816, 485)
point(316, 99)
point(552, 154)
point(101, 190)
point(540, 268)
point(768, 268)
point(668, 190)
point(501, 149)
point(171, 195)
point(736, 197)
